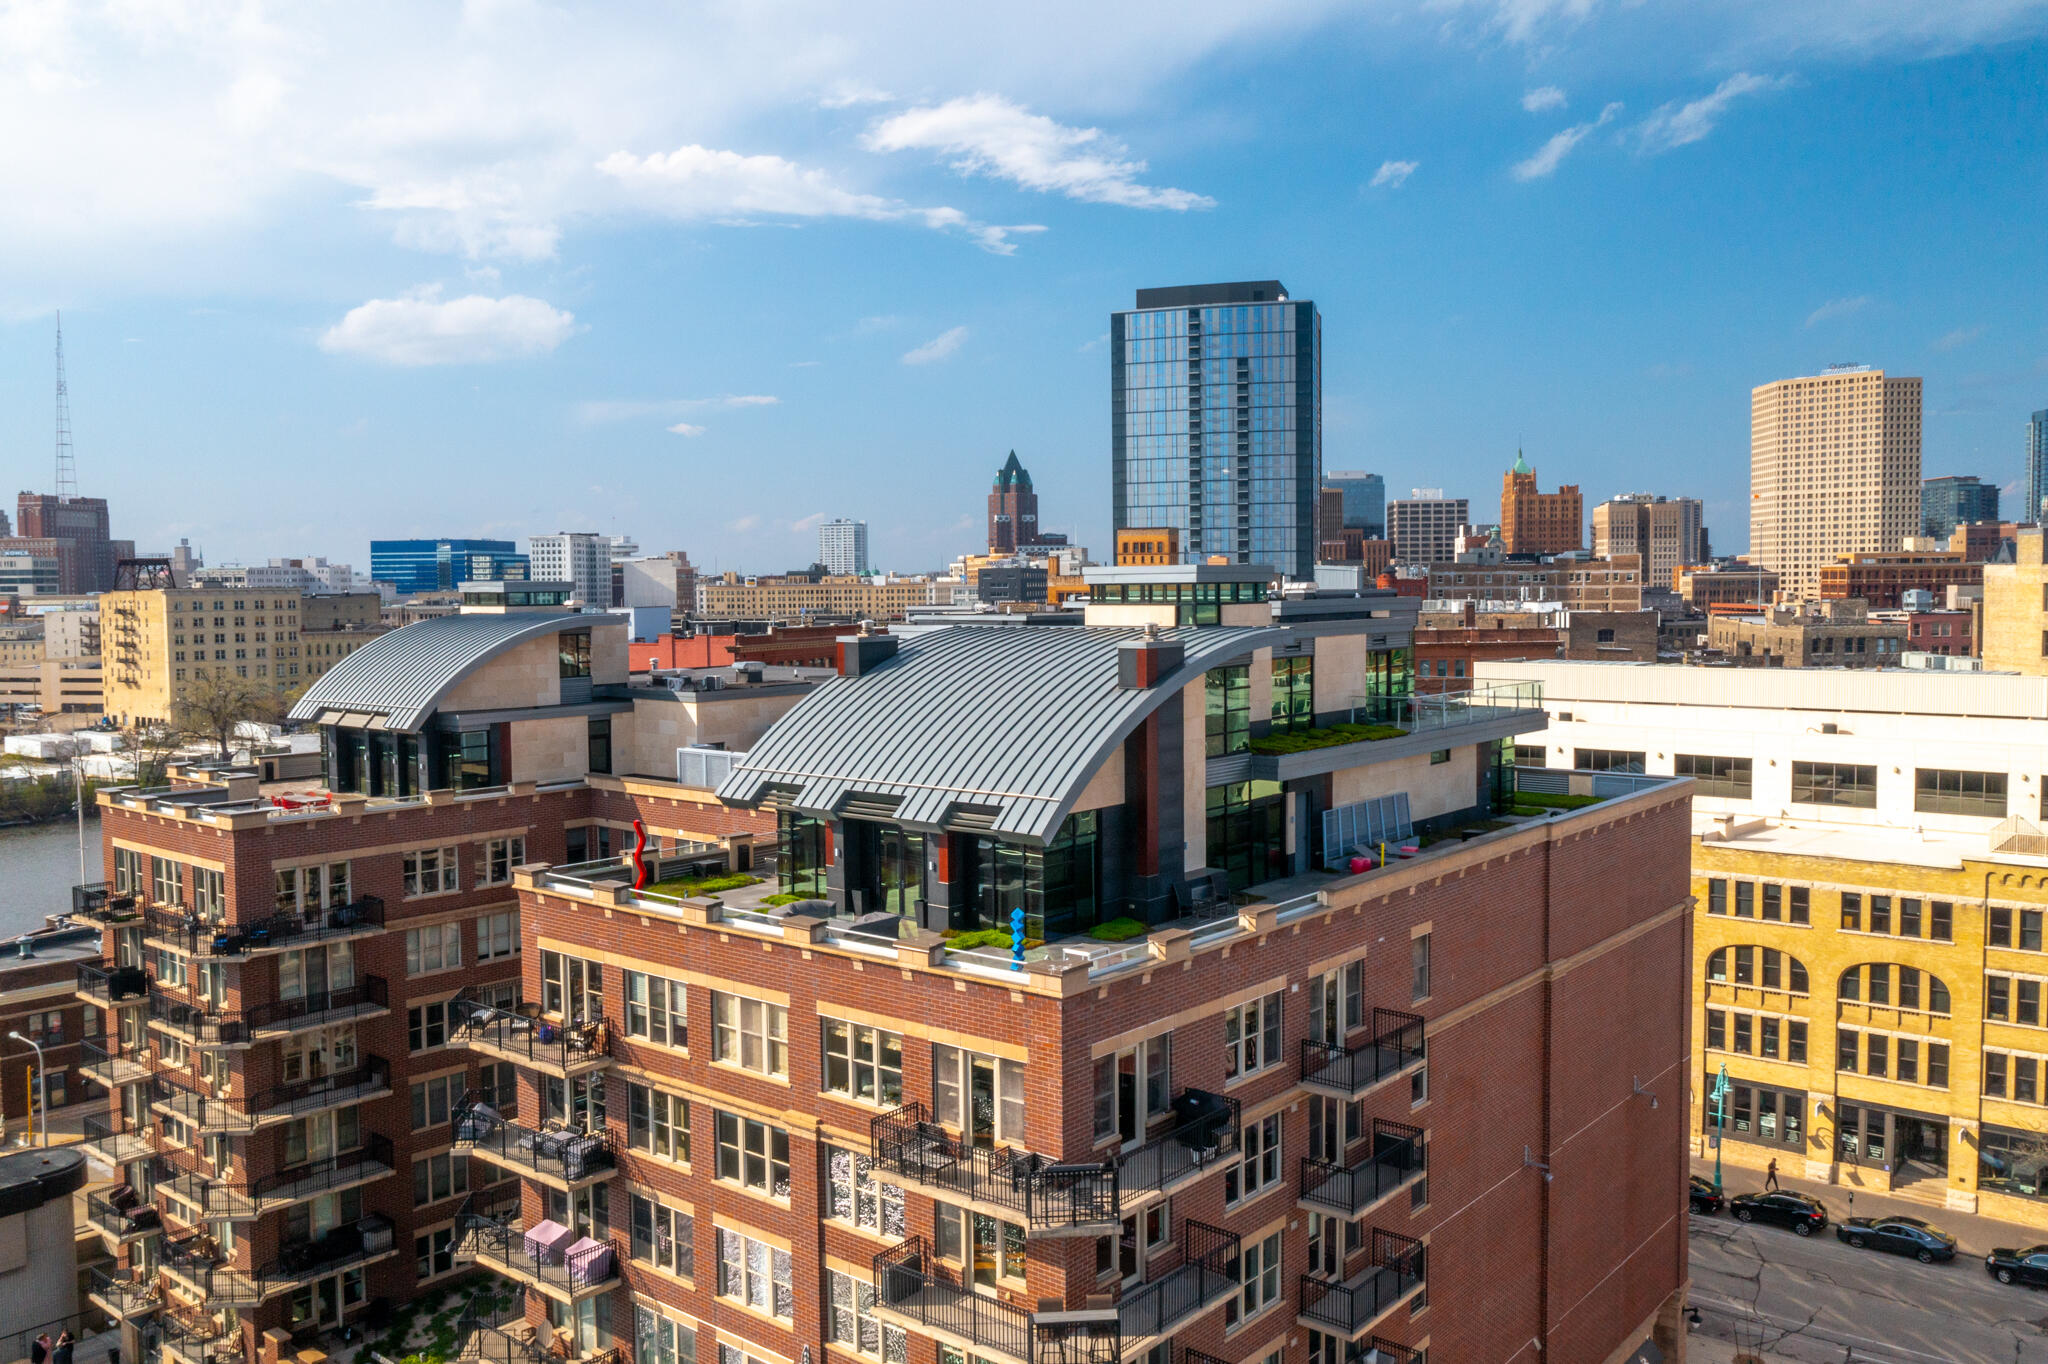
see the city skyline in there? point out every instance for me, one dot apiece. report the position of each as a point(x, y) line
point(1485, 206)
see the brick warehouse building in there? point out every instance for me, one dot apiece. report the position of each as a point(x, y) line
point(1410, 1110)
point(280, 972)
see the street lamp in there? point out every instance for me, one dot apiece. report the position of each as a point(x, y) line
point(1719, 1094)
point(42, 1084)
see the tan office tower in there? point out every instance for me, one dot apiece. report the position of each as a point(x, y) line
point(1665, 531)
point(1834, 468)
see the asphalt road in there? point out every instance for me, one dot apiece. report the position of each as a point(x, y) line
point(1813, 1299)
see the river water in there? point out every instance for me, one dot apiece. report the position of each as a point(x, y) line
point(38, 867)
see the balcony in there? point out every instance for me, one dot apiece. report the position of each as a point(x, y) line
point(115, 1148)
point(299, 1262)
point(1078, 1199)
point(1394, 1050)
point(195, 935)
point(1198, 1274)
point(196, 1024)
point(195, 1338)
point(370, 1080)
point(218, 1201)
point(493, 1330)
point(110, 986)
point(559, 1157)
point(1203, 1136)
point(96, 901)
point(1392, 1275)
point(367, 998)
point(1395, 1162)
point(561, 1049)
point(208, 1116)
point(915, 1289)
point(123, 1298)
point(202, 1271)
point(127, 1066)
point(122, 1216)
point(547, 1257)
point(1408, 726)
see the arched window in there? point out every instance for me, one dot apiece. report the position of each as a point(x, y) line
point(1764, 966)
point(1893, 986)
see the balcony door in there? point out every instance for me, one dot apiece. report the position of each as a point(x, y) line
point(1133, 1088)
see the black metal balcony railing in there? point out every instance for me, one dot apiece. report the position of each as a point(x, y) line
point(97, 900)
point(123, 1214)
point(370, 992)
point(124, 1066)
point(373, 1160)
point(912, 1282)
point(209, 1028)
point(531, 1041)
point(1393, 1269)
point(197, 1259)
point(1044, 1193)
point(199, 936)
point(323, 1091)
point(1204, 1133)
point(125, 1295)
point(568, 1154)
point(206, 1113)
point(484, 1331)
point(1202, 1271)
point(1394, 1161)
point(1379, 1350)
point(112, 984)
point(1395, 1046)
point(116, 1148)
point(489, 1228)
point(339, 1249)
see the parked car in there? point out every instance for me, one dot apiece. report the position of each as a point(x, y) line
point(2029, 1266)
point(1900, 1236)
point(1803, 1213)
point(1705, 1197)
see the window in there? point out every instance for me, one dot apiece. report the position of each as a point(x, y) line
point(574, 652)
point(1609, 760)
point(500, 856)
point(1847, 784)
point(47, 1028)
point(982, 1096)
point(1773, 903)
point(1940, 921)
point(434, 948)
point(1755, 1113)
point(1852, 911)
point(209, 894)
point(1846, 1049)
point(165, 886)
point(1418, 967)
point(749, 1033)
point(658, 1340)
point(853, 1195)
point(600, 738)
point(1227, 710)
point(863, 1063)
point(1293, 693)
point(654, 1010)
point(1717, 895)
point(1745, 899)
point(1725, 778)
point(426, 1025)
point(1251, 1036)
point(753, 1155)
point(754, 1273)
point(128, 877)
point(852, 1321)
point(1876, 1055)
point(1261, 1164)
point(430, 871)
point(433, 1101)
point(571, 987)
point(497, 935)
point(1941, 792)
point(663, 1237)
point(1717, 1030)
point(657, 1122)
point(996, 1246)
point(439, 1176)
point(434, 1253)
point(1258, 1281)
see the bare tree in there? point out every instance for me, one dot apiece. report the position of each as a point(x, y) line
point(212, 707)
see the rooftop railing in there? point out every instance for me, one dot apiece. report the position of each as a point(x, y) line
point(1416, 713)
point(1395, 1046)
point(1043, 1193)
point(912, 1282)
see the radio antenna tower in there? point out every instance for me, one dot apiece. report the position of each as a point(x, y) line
point(67, 469)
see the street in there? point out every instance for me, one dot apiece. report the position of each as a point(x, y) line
point(1812, 1299)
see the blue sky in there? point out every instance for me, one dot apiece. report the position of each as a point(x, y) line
point(705, 274)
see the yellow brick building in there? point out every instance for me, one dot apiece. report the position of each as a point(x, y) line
point(797, 597)
point(155, 643)
point(2015, 633)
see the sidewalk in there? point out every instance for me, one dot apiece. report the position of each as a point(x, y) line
point(1974, 1234)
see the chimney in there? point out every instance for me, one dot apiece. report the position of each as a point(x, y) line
point(864, 652)
point(1145, 661)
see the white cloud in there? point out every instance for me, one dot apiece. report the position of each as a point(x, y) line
point(695, 182)
point(992, 136)
point(1837, 307)
point(811, 522)
point(685, 429)
point(938, 348)
point(626, 409)
point(1393, 174)
point(742, 525)
point(847, 93)
point(1677, 125)
point(423, 329)
point(1543, 99)
point(1551, 154)
point(1960, 337)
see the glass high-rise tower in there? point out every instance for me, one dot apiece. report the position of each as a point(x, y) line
point(1216, 421)
point(2037, 468)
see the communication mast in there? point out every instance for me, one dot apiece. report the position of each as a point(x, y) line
point(67, 469)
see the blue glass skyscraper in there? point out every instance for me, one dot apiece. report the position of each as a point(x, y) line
point(2036, 482)
point(438, 565)
point(1216, 421)
point(1365, 501)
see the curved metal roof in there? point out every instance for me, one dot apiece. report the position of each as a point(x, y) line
point(403, 675)
point(1010, 723)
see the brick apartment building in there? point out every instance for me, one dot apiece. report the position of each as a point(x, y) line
point(1580, 584)
point(37, 1000)
point(1533, 522)
point(1882, 579)
point(1832, 634)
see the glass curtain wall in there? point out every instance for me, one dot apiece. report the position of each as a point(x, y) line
point(1389, 682)
point(1294, 693)
point(1059, 888)
point(1248, 831)
point(804, 859)
point(891, 860)
point(1227, 710)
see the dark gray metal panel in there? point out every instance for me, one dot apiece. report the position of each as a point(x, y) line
point(401, 675)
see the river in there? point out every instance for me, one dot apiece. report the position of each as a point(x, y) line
point(38, 867)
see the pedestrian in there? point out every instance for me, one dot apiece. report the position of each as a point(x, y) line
point(39, 1353)
point(1770, 1182)
point(60, 1353)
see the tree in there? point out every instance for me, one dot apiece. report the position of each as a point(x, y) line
point(212, 707)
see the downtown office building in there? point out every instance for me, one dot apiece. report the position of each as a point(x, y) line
point(1216, 421)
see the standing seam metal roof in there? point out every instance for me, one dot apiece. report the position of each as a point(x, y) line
point(1011, 720)
point(404, 674)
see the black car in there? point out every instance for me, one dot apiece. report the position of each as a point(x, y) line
point(1801, 1212)
point(2029, 1266)
point(1705, 1197)
point(1900, 1236)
